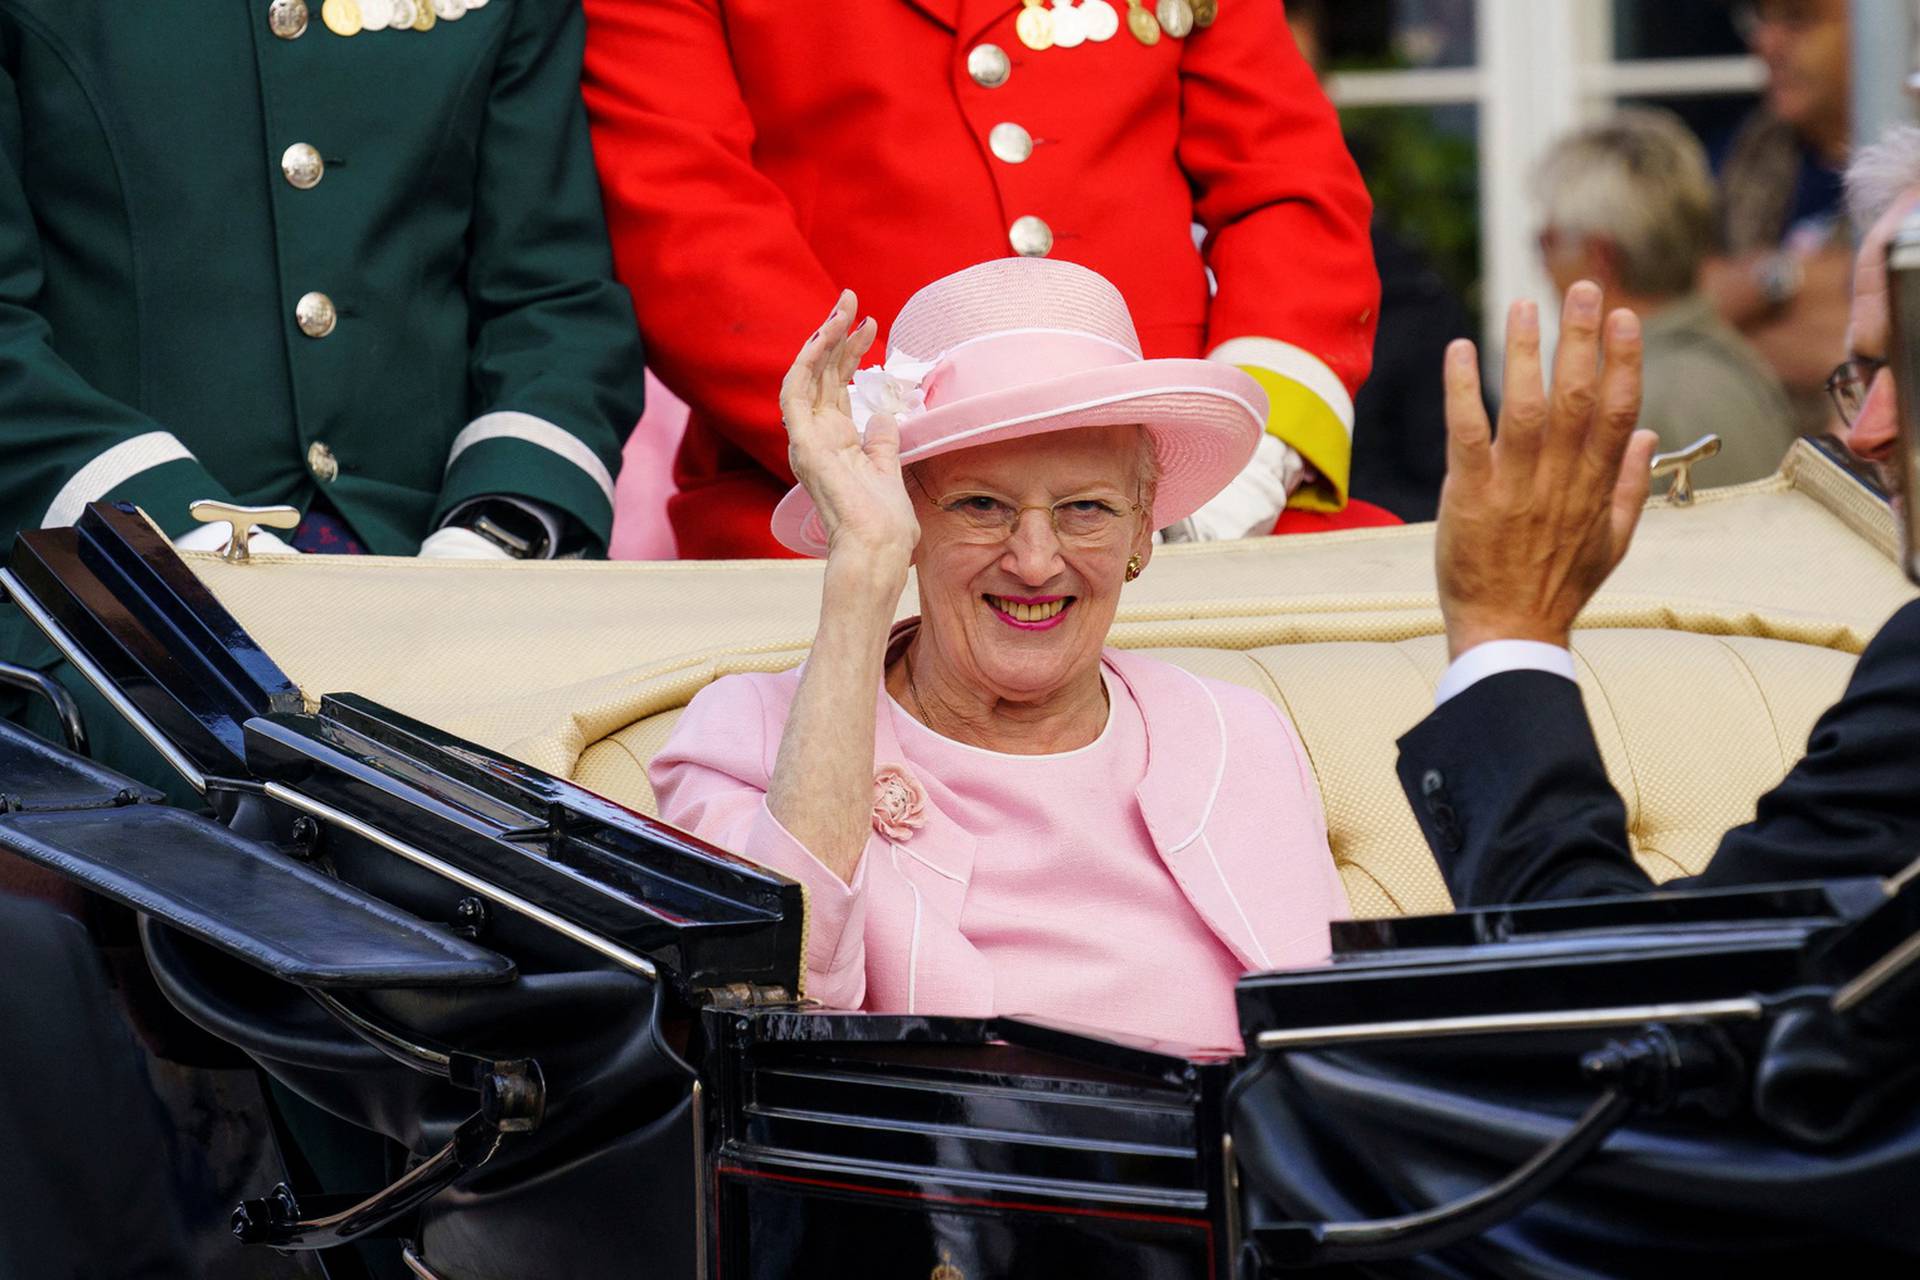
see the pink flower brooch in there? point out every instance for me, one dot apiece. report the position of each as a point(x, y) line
point(899, 802)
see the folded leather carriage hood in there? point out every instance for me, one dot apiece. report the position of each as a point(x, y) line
point(618, 1112)
point(1777, 1118)
point(618, 1115)
point(1344, 1136)
point(595, 1033)
point(424, 938)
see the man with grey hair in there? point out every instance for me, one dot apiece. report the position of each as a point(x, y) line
point(1629, 204)
point(1505, 777)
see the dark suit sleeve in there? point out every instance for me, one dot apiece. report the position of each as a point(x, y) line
point(1507, 784)
point(1506, 781)
point(1852, 804)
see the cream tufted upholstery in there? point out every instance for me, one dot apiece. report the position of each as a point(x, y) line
point(1693, 728)
point(1704, 664)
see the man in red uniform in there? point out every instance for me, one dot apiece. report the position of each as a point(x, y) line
point(756, 156)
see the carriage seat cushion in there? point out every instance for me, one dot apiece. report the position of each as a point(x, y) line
point(1693, 729)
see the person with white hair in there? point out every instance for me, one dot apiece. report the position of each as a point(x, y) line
point(1629, 204)
point(1505, 776)
point(993, 811)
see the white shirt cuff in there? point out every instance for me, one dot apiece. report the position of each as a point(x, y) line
point(1252, 500)
point(1495, 656)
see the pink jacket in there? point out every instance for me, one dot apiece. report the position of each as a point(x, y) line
point(1224, 765)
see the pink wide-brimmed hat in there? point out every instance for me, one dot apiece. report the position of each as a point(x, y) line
point(1019, 346)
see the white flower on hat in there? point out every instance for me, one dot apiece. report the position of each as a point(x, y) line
point(896, 388)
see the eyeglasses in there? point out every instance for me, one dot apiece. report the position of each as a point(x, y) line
point(981, 518)
point(1850, 382)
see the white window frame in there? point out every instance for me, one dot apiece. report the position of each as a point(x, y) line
point(1543, 67)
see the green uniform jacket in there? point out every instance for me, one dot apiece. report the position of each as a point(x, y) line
point(158, 237)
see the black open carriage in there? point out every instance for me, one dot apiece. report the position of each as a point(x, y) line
point(587, 1031)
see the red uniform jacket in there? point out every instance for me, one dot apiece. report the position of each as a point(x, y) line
point(758, 155)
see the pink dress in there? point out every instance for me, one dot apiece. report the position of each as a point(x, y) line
point(1129, 954)
point(1122, 887)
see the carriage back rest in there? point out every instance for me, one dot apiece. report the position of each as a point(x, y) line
point(1704, 661)
point(1693, 728)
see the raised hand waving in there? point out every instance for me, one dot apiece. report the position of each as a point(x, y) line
point(855, 483)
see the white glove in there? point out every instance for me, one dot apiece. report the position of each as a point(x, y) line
point(213, 536)
point(1254, 499)
point(456, 543)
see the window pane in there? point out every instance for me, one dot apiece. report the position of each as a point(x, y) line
point(1674, 29)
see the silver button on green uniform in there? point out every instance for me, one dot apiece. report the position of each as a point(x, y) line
point(315, 315)
point(322, 463)
point(302, 166)
point(287, 18)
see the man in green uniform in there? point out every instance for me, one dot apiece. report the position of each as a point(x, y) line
point(349, 258)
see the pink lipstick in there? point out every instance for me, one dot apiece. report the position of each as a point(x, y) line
point(1029, 613)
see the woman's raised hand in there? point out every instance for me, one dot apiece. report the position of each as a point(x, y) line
point(856, 484)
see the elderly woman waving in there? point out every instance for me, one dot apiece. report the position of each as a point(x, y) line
point(992, 812)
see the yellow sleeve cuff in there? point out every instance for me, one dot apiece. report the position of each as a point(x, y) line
point(1309, 424)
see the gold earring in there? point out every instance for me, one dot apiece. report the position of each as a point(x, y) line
point(1133, 567)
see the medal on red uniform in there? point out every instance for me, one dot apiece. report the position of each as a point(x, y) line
point(1102, 19)
point(1035, 26)
point(1145, 27)
point(1069, 24)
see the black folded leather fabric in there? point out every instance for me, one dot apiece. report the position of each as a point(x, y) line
point(248, 899)
point(1365, 1134)
point(36, 774)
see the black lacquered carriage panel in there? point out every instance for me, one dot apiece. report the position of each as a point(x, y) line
point(857, 1144)
point(801, 1225)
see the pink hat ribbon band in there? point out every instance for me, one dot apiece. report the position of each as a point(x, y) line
point(906, 388)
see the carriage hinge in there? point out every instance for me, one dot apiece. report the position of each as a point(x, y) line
point(745, 995)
